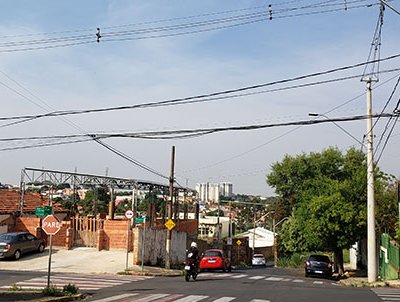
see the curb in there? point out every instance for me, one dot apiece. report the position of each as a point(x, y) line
point(36, 296)
point(154, 274)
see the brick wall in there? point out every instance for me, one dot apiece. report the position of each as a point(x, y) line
point(26, 224)
point(113, 235)
point(33, 225)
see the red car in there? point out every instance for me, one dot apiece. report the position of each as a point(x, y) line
point(214, 260)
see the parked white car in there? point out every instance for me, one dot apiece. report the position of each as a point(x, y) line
point(258, 259)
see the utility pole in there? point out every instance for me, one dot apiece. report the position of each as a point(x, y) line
point(368, 77)
point(169, 209)
point(371, 237)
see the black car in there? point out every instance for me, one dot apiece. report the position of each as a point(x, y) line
point(13, 245)
point(318, 265)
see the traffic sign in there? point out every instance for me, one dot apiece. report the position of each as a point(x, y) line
point(43, 211)
point(51, 225)
point(129, 214)
point(170, 224)
point(140, 219)
point(238, 242)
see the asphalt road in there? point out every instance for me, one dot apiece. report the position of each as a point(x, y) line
point(254, 284)
point(257, 285)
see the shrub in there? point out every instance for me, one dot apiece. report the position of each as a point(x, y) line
point(52, 291)
point(70, 289)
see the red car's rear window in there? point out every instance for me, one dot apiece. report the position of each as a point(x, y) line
point(212, 254)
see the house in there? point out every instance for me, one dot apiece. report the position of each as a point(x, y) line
point(10, 206)
point(208, 227)
point(258, 237)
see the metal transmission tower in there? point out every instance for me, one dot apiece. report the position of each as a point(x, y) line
point(371, 74)
point(87, 180)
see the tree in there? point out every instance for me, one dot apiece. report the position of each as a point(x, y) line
point(95, 201)
point(387, 214)
point(326, 196)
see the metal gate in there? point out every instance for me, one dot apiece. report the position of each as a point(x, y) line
point(86, 230)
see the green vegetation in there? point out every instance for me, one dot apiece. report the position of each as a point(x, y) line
point(53, 291)
point(324, 194)
point(15, 288)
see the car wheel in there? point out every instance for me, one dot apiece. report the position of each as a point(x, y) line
point(41, 248)
point(17, 254)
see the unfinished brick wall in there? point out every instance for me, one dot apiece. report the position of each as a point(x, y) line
point(33, 225)
point(26, 224)
point(113, 235)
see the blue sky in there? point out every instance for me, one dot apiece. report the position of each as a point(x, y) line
point(109, 74)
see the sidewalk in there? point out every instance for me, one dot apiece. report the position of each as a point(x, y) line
point(84, 261)
point(360, 279)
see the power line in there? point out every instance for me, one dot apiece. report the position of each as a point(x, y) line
point(184, 28)
point(170, 134)
point(114, 150)
point(208, 96)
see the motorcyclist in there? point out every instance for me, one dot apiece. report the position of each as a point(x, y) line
point(193, 254)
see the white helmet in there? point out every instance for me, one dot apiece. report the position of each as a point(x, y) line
point(193, 244)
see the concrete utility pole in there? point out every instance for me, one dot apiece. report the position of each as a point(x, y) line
point(169, 209)
point(371, 245)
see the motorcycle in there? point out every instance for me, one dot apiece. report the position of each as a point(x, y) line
point(190, 268)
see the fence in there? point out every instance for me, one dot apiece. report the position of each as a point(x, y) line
point(389, 258)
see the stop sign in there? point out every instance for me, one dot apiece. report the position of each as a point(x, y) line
point(51, 225)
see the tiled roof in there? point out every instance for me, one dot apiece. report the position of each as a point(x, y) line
point(9, 201)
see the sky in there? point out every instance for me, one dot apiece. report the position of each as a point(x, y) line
point(152, 51)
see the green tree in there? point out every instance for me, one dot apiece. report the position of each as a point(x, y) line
point(95, 201)
point(326, 196)
point(387, 214)
point(151, 197)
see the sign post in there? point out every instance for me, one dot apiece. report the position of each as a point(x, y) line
point(128, 214)
point(143, 239)
point(50, 225)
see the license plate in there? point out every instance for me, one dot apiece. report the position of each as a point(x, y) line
point(318, 272)
point(187, 267)
point(212, 261)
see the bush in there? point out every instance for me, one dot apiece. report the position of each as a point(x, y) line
point(295, 260)
point(15, 288)
point(52, 291)
point(70, 289)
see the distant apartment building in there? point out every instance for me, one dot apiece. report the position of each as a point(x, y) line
point(212, 191)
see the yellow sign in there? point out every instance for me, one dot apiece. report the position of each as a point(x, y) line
point(170, 224)
point(238, 242)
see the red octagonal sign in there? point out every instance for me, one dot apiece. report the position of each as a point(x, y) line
point(51, 225)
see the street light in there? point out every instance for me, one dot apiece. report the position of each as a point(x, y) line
point(274, 225)
point(255, 222)
point(337, 125)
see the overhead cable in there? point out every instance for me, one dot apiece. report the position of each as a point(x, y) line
point(202, 97)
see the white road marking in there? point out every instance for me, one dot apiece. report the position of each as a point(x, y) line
point(274, 279)
point(225, 299)
point(191, 298)
point(238, 276)
point(154, 297)
point(109, 299)
point(257, 277)
point(298, 280)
